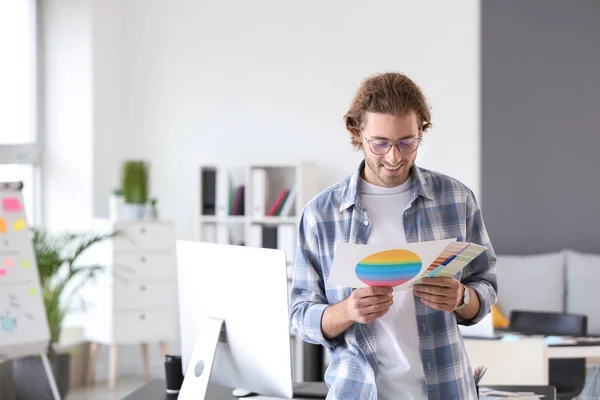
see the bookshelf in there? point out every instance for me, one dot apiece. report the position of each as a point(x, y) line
point(256, 204)
point(262, 214)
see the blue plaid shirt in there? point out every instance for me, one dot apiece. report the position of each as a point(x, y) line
point(440, 208)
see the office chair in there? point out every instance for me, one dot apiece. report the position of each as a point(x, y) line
point(567, 375)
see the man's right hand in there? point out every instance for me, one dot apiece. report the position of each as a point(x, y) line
point(363, 306)
point(367, 304)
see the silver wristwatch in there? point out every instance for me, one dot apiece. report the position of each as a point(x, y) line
point(465, 298)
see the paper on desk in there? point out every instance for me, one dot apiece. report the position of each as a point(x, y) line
point(359, 265)
point(491, 394)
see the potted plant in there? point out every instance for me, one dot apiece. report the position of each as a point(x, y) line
point(61, 278)
point(134, 183)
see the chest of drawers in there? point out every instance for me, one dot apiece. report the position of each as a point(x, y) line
point(134, 301)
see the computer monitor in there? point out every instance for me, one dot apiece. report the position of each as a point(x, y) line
point(247, 288)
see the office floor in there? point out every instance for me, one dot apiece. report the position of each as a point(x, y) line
point(100, 391)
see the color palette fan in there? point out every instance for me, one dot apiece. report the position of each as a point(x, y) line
point(454, 258)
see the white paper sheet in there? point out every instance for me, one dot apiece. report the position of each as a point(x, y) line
point(400, 265)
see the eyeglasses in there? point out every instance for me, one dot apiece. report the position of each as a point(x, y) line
point(383, 146)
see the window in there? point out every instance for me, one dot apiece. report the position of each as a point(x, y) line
point(19, 142)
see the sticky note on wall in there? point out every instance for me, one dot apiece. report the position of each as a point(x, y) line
point(3, 226)
point(20, 225)
point(11, 204)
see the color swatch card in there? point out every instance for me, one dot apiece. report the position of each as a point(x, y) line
point(400, 267)
point(455, 257)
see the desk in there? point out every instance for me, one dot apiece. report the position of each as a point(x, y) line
point(155, 390)
point(574, 351)
point(584, 349)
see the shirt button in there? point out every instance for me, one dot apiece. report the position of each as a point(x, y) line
point(366, 223)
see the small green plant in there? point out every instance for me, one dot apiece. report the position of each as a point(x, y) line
point(134, 182)
point(61, 277)
point(118, 192)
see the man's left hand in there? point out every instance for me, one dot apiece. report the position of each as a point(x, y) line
point(443, 294)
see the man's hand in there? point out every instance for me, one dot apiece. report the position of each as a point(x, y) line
point(367, 304)
point(363, 306)
point(440, 293)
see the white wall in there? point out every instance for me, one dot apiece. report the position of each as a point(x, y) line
point(107, 37)
point(268, 80)
point(67, 102)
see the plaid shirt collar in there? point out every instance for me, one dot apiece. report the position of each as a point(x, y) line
point(351, 195)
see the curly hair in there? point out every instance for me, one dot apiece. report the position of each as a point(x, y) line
point(386, 93)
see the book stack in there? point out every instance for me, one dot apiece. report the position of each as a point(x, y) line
point(283, 203)
point(263, 189)
point(236, 201)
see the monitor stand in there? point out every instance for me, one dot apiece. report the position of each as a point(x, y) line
point(200, 366)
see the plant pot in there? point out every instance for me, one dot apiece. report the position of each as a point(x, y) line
point(7, 391)
point(133, 211)
point(116, 204)
point(30, 380)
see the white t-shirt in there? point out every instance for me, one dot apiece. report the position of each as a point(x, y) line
point(401, 374)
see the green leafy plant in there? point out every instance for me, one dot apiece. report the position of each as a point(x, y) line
point(61, 276)
point(134, 181)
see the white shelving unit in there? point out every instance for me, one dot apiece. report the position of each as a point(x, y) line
point(263, 183)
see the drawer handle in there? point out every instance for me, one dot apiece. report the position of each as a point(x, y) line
point(143, 288)
point(143, 317)
point(143, 259)
point(143, 230)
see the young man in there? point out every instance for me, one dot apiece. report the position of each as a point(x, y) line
point(384, 345)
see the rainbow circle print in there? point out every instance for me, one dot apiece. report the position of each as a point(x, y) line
point(388, 268)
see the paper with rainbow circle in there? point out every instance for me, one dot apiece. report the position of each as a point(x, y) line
point(402, 266)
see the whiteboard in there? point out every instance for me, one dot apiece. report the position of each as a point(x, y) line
point(23, 323)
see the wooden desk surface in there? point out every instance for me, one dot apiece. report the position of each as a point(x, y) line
point(588, 350)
